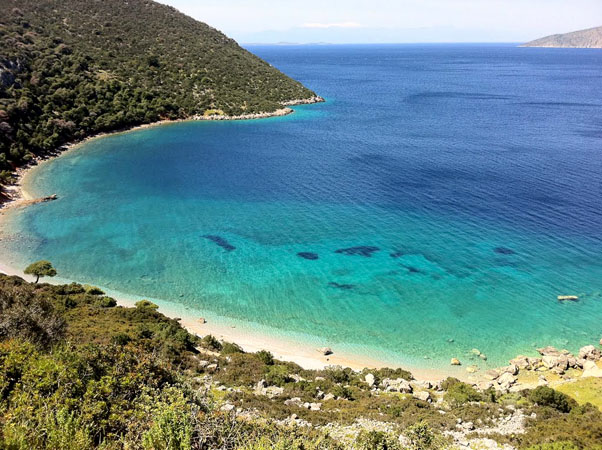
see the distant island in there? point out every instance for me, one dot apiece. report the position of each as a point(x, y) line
point(590, 38)
point(76, 68)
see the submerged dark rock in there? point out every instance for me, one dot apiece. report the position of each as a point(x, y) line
point(412, 269)
point(396, 254)
point(504, 251)
point(345, 287)
point(220, 241)
point(308, 255)
point(365, 251)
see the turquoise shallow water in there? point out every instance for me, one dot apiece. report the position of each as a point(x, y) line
point(442, 193)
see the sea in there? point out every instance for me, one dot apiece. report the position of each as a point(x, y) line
point(439, 201)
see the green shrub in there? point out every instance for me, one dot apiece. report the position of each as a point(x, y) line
point(171, 430)
point(377, 440)
point(93, 290)
point(545, 396)
point(459, 393)
point(555, 446)
point(106, 302)
point(210, 342)
point(229, 348)
point(342, 392)
point(421, 437)
point(277, 375)
point(265, 357)
point(146, 305)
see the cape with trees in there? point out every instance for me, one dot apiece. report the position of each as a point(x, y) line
point(74, 68)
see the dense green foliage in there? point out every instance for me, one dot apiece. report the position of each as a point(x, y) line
point(72, 68)
point(40, 269)
point(79, 372)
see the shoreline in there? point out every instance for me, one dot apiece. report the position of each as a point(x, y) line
point(253, 337)
point(14, 195)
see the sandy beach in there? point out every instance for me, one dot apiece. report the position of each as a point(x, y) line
point(253, 337)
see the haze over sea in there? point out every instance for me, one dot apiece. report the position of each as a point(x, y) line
point(441, 200)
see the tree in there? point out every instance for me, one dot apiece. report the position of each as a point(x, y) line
point(40, 269)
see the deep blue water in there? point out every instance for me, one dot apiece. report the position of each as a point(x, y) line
point(443, 192)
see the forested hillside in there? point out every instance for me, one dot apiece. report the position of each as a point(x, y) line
point(71, 68)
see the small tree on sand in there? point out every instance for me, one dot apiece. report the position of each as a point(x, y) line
point(40, 269)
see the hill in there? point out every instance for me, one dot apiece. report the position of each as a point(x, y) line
point(73, 68)
point(79, 372)
point(590, 38)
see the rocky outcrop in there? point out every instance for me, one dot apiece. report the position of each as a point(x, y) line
point(397, 385)
point(590, 353)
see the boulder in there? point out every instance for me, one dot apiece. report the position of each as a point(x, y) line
point(211, 367)
point(549, 351)
point(422, 395)
point(568, 298)
point(534, 363)
point(329, 396)
point(522, 362)
point(492, 374)
point(295, 401)
point(590, 353)
point(550, 361)
point(398, 385)
point(476, 352)
point(325, 351)
point(416, 384)
point(511, 369)
point(369, 379)
point(273, 391)
point(506, 379)
point(455, 362)
point(590, 369)
point(472, 369)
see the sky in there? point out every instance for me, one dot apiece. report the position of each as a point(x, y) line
point(392, 21)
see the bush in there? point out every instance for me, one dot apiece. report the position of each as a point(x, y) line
point(421, 437)
point(459, 393)
point(106, 302)
point(27, 316)
point(555, 446)
point(171, 430)
point(93, 290)
point(377, 440)
point(210, 342)
point(342, 392)
point(229, 348)
point(265, 357)
point(277, 375)
point(545, 396)
point(145, 304)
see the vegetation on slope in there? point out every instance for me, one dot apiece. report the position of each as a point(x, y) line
point(79, 372)
point(72, 68)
